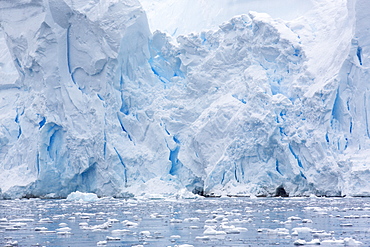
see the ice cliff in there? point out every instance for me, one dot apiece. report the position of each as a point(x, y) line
point(91, 100)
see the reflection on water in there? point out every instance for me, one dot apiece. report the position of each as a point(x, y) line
point(201, 222)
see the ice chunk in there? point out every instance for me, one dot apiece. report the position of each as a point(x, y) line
point(64, 233)
point(211, 231)
point(130, 223)
point(108, 238)
point(352, 242)
point(11, 243)
point(63, 229)
point(101, 243)
point(145, 233)
point(82, 197)
point(192, 220)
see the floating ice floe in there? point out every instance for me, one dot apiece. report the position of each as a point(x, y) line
point(108, 238)
point(231, 229)
point(103, 226)
point(64, 233)
point(238, 221)
point(145, 233)
point(82, 197)
point(302, 230)
point(291, 218)
point(57, 217)
point(306, 221)
point(113, 221)
point(11, 243)
point(277, 231)
point(47, 232)
point(45, 220)
point(304, 242)
point(351, 216)
point(346, 225)
point(191, 220)
point(321, 234)
point(155, 196)
point(129, 223)
point(63, 229)
point(211, 231)
point(203, 238)
point(212, 221)
point(345, 242)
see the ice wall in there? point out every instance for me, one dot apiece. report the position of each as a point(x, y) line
point(64, 64)
point(92, 101)
point(350, 114)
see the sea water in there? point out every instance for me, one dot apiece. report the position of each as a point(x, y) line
point(186, 222)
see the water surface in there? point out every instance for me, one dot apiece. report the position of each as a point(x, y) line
point(197, 222)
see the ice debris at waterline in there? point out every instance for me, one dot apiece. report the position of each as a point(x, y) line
point(82, 197)
point(92, 100)
point(191, 222)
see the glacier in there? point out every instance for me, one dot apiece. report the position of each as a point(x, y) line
point(93, 99)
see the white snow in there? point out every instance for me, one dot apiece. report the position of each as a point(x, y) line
point(101, 243)
point(82, 197)
point(304, 242)
point(130, 223)
point(108, 238)
point(212, 231)
point(63, 229)
point(169, 15)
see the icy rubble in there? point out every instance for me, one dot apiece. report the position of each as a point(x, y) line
point(91, 101)
point(82, 197)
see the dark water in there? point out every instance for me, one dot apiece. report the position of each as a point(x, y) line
point(197, 222)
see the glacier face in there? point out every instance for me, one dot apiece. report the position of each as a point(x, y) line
point(92, 101)
point(60, 124)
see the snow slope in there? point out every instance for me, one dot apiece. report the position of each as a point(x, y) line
point(92, 101)
point(183, 17)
